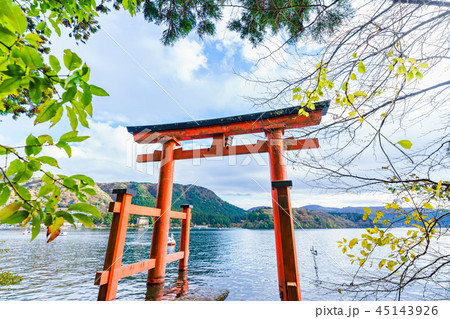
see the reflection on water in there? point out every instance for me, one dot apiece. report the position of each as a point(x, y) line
point(175, 290)
point(242, 261)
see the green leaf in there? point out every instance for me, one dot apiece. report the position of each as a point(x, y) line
point(13, 16)
point(33, 146)
point(89, 191)
point(354, 55)
point(65, 147)
point(86, 98)
point(6, 150)
point(34, 165)
point(405, 144)
point(367, 210)
point(69, 183)
point(14, 167)
point(428, 206)
point(34, 39)
point(41, 26)
point(95, 90)
point(59, 111)
point(72, 117)
point(419, 75)
point(351, 98)
point(423, 65)
point(68, 217)
point(16, 218)
point(48, 220)
point(361, 67)
point(44, 190)
point(9, 210)
point(412, 61)
point(55, 26)
point(8, 86)
point(85, 73)
point(84, 219)
point(8, 37)
point(48, 160)
point(46, 111)
point(23, 192)
point(401, 69)
point(31, 57)
point(70, 93)
point(85, 208)
point(85, 179)
point(71, 60)
point(54, 63)
point(409, 76)
point(360, 93)
point(35, 90)
point(72, 137)
point(45, 139)
point(4, 195)
point(35, 227)
point(353, 76)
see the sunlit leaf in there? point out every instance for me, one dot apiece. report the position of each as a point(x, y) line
point(85, 208)
point(9, 210)
point(405, 144)
point(95, 90)
point(71, 60)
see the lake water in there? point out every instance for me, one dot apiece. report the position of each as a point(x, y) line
point(242, 261)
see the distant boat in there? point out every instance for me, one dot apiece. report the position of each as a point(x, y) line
point(27, 232)
point(171, 241)
point(63, 233)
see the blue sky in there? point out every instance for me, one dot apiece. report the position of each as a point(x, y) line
point(152, 84)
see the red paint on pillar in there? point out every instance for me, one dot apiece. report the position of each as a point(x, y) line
point(161, 225)
point(184, 240)
point(114, 251)
point(284, 229)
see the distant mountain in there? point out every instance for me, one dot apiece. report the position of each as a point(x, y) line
point(208, 208)
point(348, 209)
point(262, 218)
point(258, 208)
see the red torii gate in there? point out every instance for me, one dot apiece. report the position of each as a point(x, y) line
point(222, 130)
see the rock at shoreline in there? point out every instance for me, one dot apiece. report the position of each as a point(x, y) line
point(204, 294)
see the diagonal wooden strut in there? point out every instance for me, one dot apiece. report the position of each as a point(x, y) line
point(214, 151)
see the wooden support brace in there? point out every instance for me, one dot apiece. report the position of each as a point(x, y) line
point(184, 240)
point(102, 277)
point(114, 251)
point(114, 207)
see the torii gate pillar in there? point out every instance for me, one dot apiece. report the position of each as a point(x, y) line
point(158, 249)
point(288, 279)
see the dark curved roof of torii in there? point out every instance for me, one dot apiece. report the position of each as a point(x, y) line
point(226, 120)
